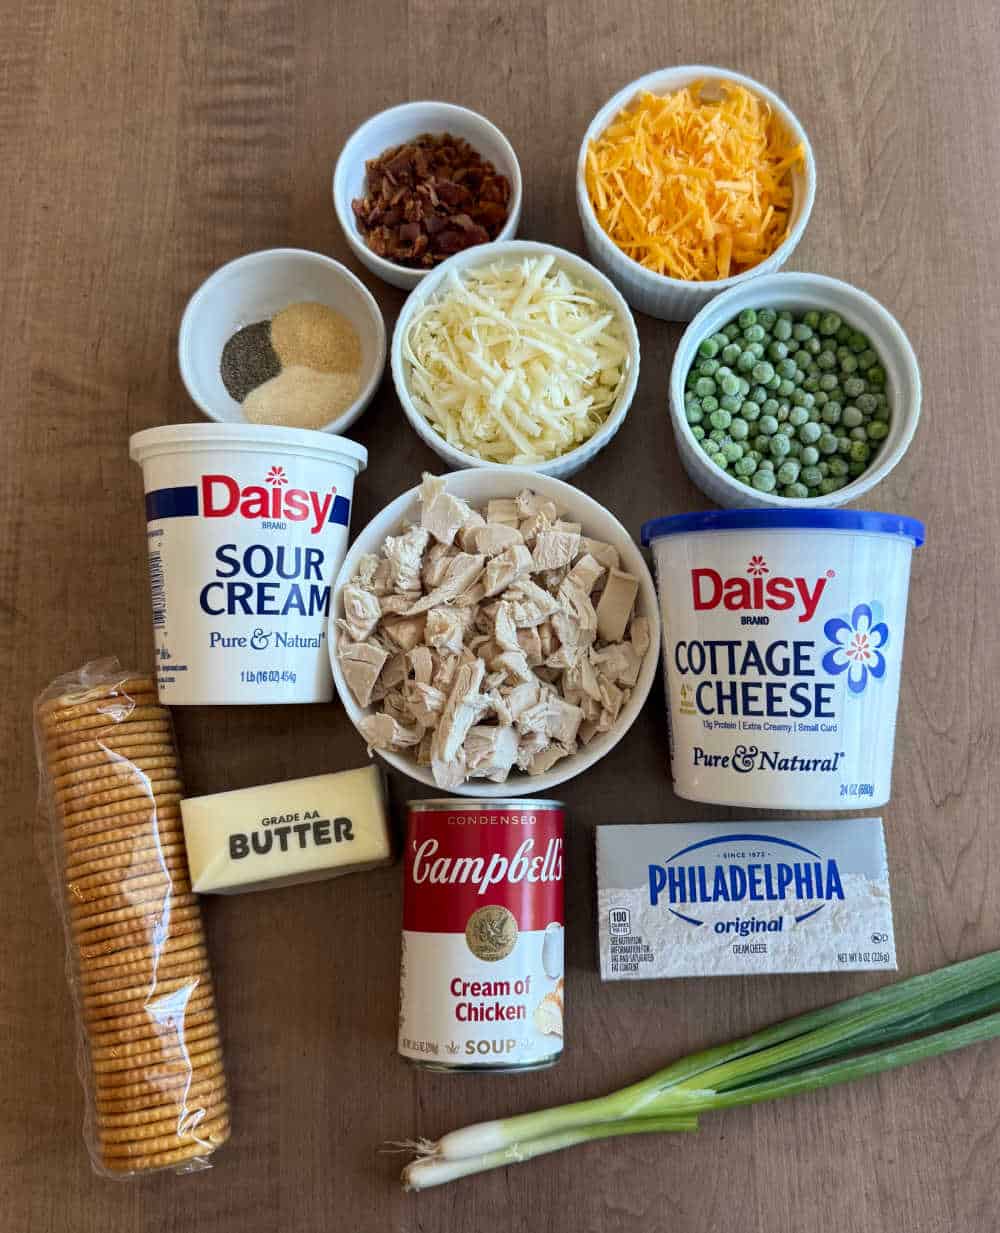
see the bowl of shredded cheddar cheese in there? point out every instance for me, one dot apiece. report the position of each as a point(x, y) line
point(689, 181)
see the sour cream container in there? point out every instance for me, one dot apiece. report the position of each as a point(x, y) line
point(247, 527)
point(783, 642)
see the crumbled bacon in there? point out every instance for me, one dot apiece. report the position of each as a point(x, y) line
point(430, 198)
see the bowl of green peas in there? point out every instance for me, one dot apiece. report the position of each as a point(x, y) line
point(793, 389)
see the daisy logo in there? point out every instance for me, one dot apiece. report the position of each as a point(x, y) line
point(858, 643)
point(276, 477)
point(758, 567)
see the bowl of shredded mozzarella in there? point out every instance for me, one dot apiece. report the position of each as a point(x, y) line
point(519, 355)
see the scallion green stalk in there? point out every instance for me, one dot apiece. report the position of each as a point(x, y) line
point(861, 1036)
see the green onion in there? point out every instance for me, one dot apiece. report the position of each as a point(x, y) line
point(890, 1027)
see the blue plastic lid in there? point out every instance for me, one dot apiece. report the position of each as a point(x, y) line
point(785, 520)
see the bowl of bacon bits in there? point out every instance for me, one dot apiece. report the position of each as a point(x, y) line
point(493, 632)
point(418, 183)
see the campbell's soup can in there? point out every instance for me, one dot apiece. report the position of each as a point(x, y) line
point(481, 973)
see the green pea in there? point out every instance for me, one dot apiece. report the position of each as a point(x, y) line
point(779, 445)
point(774, 384)
point(739, 429)
point(747, 318)
point(750, 410)
point(768, 425)
point(756, 455)
point(851, 417)
point(766, 317)
point(730, 384)
point(733, 451)
point(829, 323)
point(811, 318)
point(785, 387)
point(708, 445)
point(813, 346)
point(704, 386)
point(858, 434)
point(795, 492)
point(746, 465)
point(777, 350)
point(788, 472)
point(754, 333)
point(811, 476)
point(763, 372)
point(876, 376)
point(760, 442)
point(731, 331)
point(809, 455)
point(756, 349)
point(697, 432)
point(694, 414)
point(877, 431)
point(801, 331)
point(838, 466)
point(826, 360)
point(764, 481)
point(765, 464)
point(844, 444)
point(811, 383)
point(866, 359)
point(857, 342)
point(881, 415)
point(785, 368)
point(708, 368)
point(720, 460)
point(831, 413)
point(820, 398)
point(830, 485)
point(759, 394)
point(844, 333)
point(782, 329)
point(719, 436)
point(827, 444)
point(744, 386)
point(709, 404)
point(720, 419)
point(810, 433)
point(708, 348)
point(731, 352)
point(849, 363)
point(857, 468)
point(828, 381)
point(798, 417)
point(746, 361)
point(854, 386)
point(824, 469)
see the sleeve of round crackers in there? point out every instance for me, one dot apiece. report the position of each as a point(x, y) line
point(110, 790)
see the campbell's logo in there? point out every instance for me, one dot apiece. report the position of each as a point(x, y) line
point(760, 591)
point(525, 865)
point(223, 497)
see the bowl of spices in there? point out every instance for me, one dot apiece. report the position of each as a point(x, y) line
point(793, 390)
point(285, 337)
point(689, 181)
point(517, 354)
point(420, 182)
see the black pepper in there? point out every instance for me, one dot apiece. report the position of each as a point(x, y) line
point(248, 360)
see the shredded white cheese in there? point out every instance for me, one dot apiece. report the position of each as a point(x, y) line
point(515, 362)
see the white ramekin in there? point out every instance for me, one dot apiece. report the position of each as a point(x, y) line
point(393, 127)
point(801, 292)
point(254, 288)
point(674, 299)
point(477, 487)
point(513, 250)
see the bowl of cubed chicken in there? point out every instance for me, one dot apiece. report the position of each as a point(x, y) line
point(493, 632)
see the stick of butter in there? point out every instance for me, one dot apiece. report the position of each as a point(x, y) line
point(303, 830)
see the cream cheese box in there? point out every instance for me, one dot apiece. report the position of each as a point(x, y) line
point(743, 898)
point(303, 830)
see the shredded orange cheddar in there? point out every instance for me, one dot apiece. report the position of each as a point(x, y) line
point(694, 187)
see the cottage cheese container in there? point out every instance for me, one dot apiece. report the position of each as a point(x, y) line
point(247, 527)
point(783, 639)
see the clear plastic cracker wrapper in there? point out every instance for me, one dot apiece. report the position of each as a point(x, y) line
point(150, 1049)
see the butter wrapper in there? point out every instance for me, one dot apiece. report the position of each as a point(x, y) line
point(743, 898)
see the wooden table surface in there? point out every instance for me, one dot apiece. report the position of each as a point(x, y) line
point(146, 144)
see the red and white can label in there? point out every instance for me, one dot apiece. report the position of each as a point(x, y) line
point(481, 976)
